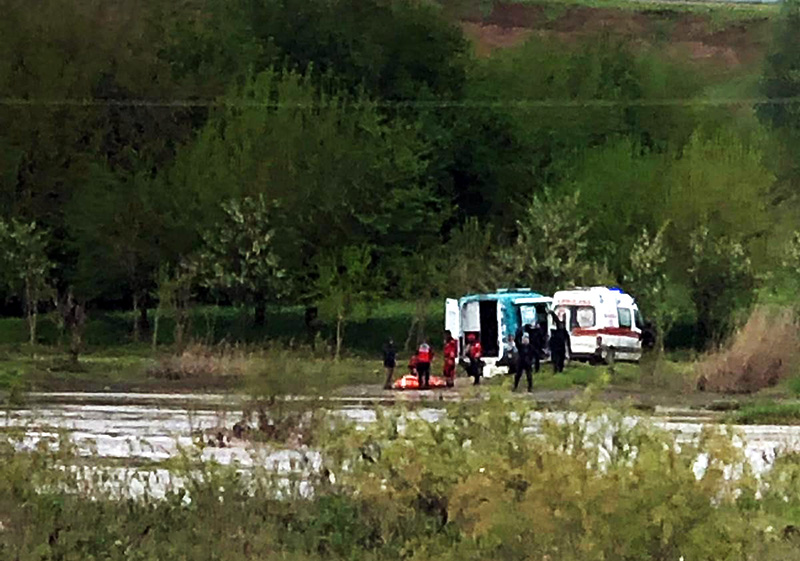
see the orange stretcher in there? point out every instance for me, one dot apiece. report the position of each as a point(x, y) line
point(410, 382)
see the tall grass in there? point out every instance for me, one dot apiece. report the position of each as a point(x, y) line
point(763, 352)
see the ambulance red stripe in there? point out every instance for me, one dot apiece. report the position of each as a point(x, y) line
point(617, 331)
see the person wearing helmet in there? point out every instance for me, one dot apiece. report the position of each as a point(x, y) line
point(474, 353)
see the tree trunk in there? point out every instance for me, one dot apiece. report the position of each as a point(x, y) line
point(211, 328)
point(77, 321)
point(422, 319)
point(260, 317)
point(136, 333)
point(144, 321)
point(155, 328)
point(339, 335)
point(179, 328)
point(34, 317)
point(30, 305)
point(407, 344)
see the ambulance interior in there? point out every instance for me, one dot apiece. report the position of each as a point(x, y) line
point(492, 323)
point(481, 318)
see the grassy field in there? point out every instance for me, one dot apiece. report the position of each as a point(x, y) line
point(225, 352)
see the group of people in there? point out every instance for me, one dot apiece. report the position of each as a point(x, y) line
point(420, 363)
point(524, 352)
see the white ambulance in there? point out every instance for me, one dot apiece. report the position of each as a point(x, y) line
point(603, 322)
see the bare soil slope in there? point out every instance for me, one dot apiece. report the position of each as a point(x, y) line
point(730, 43)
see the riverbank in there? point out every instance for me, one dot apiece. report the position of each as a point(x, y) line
point(241, 374)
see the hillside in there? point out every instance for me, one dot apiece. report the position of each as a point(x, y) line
point(729, 37)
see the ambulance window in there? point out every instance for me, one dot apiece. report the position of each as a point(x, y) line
point(585, 316)
point(527, 315)
point(637, 318)
point(624, 317)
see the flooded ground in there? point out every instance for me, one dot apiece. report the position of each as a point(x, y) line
point(130, 430)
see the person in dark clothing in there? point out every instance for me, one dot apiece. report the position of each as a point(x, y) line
point(648, 337)
point(521, 331)
point(559, 340)
point(509, 357)
point(389, 363)
point(525, 359)
point(424, 359)
point(537, 342)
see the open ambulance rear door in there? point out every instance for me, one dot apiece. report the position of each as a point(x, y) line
point(452, 320)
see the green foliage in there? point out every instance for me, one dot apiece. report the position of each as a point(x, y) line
point(26, 266)
point(781, 81)
point(647, 278)
point(345, 285)
point(722, 283)
point(369, 124)
point(237, 256)
point(551, 250)
point(768, 414)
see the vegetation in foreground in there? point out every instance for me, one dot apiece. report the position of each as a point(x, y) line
point(475, 485)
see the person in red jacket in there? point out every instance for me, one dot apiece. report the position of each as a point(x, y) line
point(412, 365)
point(474, 352)
point(424, 359)
point(450, 353)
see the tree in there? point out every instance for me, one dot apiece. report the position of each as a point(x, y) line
point(26, 266)
point(550, 251)
point(174, 295)
point(345, 283)
point(343, 174)
point(467, 257)
point(722, 283)
point(238, 256)
point(647, 279)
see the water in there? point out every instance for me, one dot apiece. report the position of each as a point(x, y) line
point(146, 429)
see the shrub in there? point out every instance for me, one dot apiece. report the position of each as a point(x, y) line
point(201, 361)
point(760, 354)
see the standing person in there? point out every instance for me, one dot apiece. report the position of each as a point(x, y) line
point(525, 355)
point(389, 362)
point(521, 330)
point(424, 359)
point(558, 345)
point(474, 353)
point(509, 357)
point(450, 352)
point(537, 340)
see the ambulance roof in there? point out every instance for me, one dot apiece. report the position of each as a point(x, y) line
point(504, 294)
point(601, 292)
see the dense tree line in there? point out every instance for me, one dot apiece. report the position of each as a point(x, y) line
point(334, 151)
